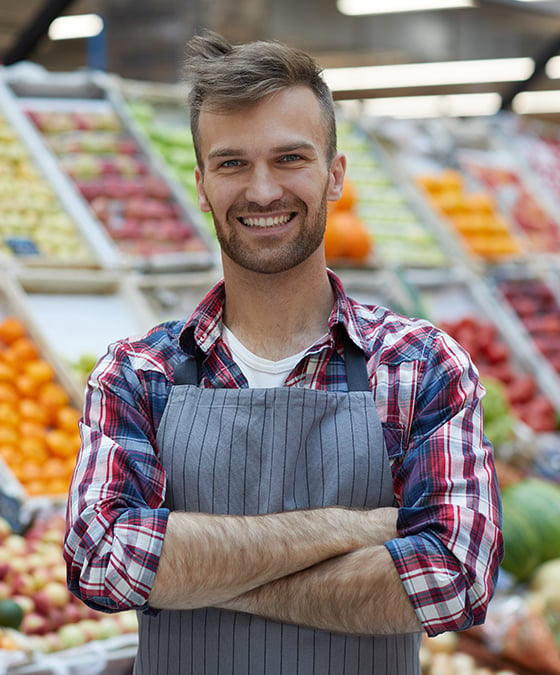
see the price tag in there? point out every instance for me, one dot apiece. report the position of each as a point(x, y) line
point(22, 247)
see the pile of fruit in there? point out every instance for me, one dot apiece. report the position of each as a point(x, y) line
point(133, 203)
point(39, 437)
point(346, 235)
point(541, 151)
point(174, 144)
point(506, 184)
point(401, 236)
point(444, 655)
point(539, 310)
point(531, 525)
point(473, 215)
point(34, 599)
point(32, 221)
point(496, 363)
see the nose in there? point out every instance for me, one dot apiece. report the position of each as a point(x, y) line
point(263, 187)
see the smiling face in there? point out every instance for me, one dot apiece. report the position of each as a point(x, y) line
point(266, 180)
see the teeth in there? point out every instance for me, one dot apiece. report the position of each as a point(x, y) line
point(265, 222)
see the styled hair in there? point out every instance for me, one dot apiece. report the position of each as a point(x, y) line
point(223, 76)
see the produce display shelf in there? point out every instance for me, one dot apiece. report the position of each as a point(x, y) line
point(81, 312)
point(113, 656)
point(113, 174)
point(427, 152)
point(402, 231)
point(534, 221)
point(467, 308)
point(529, 299)
point(383, 287)
point(535, 147)
point(16, 504)
point(174, 296)
point(159, 115)
point(43, 222)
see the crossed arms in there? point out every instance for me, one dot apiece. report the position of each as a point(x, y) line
point(323, 568)
point(333, 568)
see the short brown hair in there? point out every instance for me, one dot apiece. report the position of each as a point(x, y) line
point(225, 76)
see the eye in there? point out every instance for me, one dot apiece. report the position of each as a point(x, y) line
point(292, 157)
point(230, 164)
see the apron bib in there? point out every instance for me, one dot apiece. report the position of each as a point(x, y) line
point(256, 451)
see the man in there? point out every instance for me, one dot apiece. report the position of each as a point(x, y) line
point(289, 482)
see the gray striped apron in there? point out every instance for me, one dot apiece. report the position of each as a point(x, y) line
point(254, 451)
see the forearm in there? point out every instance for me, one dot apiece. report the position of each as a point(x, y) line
point(208, 559)
point(357, 593)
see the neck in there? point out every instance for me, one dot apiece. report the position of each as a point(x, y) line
point(278, 315)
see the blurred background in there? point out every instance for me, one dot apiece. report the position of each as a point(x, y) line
point(448, 112)
point(144, 40)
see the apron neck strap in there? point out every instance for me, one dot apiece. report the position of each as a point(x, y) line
point(189, 370)
point(356, 366)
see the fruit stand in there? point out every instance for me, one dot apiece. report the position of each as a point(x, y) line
point(438, 219)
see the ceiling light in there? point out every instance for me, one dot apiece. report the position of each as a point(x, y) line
point(357, 7)
point(416, 107)
point(553, 67)
point(536, 102)
point(76, 26)
point(429, 74)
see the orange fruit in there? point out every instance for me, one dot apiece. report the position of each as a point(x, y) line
point(8, 392)
point(358, 242)
point(31, 428)
point(334, 237)
point(33, 448)
point(58, 486)
point(8, 452)
point(52, 396)
point(60, 443)
point(67, 419)
point(26, 385)
point(33, 411)
point(11, 328)
point(53, 467)
point(7, 372)
point(8, 435)
point(40, 370)
point(23, 349)
point(30, 470)
point(36, 488)
point(346, 236)
point(9, 414)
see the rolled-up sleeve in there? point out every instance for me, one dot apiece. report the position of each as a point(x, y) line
point(115, 518)
point(450, 544)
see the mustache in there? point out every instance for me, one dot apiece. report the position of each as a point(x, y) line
point(252, 208)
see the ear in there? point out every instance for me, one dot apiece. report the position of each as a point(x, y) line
point(201, 195)
point(336, 177)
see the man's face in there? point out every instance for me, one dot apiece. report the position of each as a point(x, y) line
point(266, 180)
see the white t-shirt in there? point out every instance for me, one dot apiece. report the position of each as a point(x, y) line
point(260, 373)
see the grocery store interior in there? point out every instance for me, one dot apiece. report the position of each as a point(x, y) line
point(449, 114)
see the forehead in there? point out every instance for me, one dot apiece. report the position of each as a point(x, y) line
point(283, 117)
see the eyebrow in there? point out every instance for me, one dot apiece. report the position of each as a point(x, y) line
point(288, 147)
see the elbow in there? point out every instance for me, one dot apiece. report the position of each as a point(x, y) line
point(100, 591)
point(462, 603)
point(91, 589)
point(100, 581)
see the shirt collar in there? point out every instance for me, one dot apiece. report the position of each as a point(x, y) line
point(203, 328)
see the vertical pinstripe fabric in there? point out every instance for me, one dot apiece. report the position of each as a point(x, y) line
point(250, 451)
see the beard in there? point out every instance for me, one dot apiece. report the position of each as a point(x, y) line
point(274, 257)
